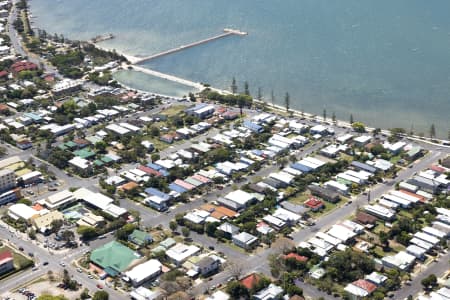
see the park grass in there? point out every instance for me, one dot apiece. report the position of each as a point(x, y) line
point(173, 110)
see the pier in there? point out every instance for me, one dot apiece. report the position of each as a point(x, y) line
point(186, 82)
point(102, 38)
point(226, 32)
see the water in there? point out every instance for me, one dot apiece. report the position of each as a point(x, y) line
point(386, 62)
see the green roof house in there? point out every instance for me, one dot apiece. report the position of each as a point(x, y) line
point(140, 238)
point(84, 153)
point(113, 257)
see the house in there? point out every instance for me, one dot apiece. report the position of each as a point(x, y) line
point(6, 261)
point(229, 229)
point(207, 266)
point(218, 295)
point(179, 253)
point(250, 281)
point(365, 219)
point(140, 238)
point(324, 193)
point(23, 65)
point(402, 261)
point(142, 293)
point(360, 289)
point(295, 256)
point(245, 240)
point(272, 292)
point(144, 272)
point(314, 204)
point(376, 278)
point(201, 111)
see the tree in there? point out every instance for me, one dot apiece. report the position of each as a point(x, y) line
point(236, 270)
point(287, 101)
point(384, 238)
point(185, 231)
point(246, 90)
point(85, 294)
point(173, 225)
point(237, 290)
point(429, 282)
point(125, 231)
point(32, 234)
point(100, 295)
point(324, 114)
point(272, 98)
point(234, 86)
point(259, 97)
point(87, 232)
point(432, 131)
point(349, 265)
point(56, 225)
point(359, 127)
point(351, 119)
point(68, 235)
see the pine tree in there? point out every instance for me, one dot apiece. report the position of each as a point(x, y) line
point(246, 90)
point(351, 119)
point(432, 131)
point(333, 117)
point(324, 114)
point(234, 86)
point(287, 101)
point(272, 97)
point(259, 94)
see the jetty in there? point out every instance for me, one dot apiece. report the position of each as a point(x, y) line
point(101, 38)
point(226, 32)
point(186, 82)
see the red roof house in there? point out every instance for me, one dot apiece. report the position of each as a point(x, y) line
point(250, 281)
point(314, 204)
point(296, 256)
point(23, 66)
point(365, 285)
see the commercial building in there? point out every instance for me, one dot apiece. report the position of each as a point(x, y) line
point(113, 258)
point(22, 211)
point(58, 200)
point(43, 223)
point(144, 272)
point(7, 180)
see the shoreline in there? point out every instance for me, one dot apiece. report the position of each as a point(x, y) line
point(274, 107)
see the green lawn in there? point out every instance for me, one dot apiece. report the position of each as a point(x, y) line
point(173, 110)
point(300, 198)
point(328, 208)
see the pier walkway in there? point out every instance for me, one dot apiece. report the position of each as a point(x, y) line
point(195, 85)
point(227, 32)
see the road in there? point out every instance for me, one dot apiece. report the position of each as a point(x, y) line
point(259, 262)
point(437, 268)
point(54, 259)
point(16, 44)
